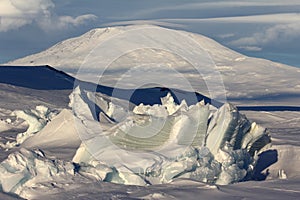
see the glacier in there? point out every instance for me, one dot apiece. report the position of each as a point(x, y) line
point(134, 145)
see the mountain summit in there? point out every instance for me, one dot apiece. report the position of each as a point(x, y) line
point(279, 82)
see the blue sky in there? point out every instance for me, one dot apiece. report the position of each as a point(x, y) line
point(261, 28)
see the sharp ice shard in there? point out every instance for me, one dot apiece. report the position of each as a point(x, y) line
point(137, 145)
point(166, 141)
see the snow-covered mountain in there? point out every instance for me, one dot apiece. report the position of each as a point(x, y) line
point(247, 80)
point(65, 138)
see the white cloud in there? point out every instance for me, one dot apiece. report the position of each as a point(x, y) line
point(17, 13)
point(251, 48)
point(76, 21)
point(226, 35)
point(218, 5)
point(264, 18)
point(278, 33)
point(63, 22)
point(150, 22)
point(257, 19)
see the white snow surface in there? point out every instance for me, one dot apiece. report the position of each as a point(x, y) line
point(139, 150)
point(35, 119)
point(44, 163)
point(54, 163)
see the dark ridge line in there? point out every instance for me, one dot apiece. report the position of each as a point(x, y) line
point(39, 66)
point(269, 108)
point(141, 95)
point(24, 78)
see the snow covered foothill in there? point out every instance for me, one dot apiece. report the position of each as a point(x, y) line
point(20, 91)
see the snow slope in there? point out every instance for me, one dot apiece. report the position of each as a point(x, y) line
point(25, 88)
point(247, 80)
